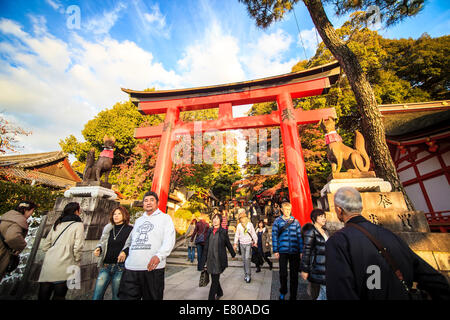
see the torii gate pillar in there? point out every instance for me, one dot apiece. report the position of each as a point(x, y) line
point(299, 192)
point(163, 167)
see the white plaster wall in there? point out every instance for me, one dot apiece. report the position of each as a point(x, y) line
point(428, 166)
point(438, 191)
point(407, 174)
point(415, 194)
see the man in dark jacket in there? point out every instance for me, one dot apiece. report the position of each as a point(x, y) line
point(356, 270)
point(255, 213)
point(287, 245)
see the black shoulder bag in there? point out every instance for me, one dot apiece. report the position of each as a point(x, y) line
point(288, 223)
point(62, 233)
point(414, 294)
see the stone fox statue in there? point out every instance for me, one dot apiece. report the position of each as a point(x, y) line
point(339, 155)
point(103, 165)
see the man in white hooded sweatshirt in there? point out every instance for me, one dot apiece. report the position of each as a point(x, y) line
point(148, 246)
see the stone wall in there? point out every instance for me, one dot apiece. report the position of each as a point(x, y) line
point(95, 215)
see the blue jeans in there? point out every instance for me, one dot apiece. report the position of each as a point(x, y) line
point(322, 293)
point(109, 273)
point(199, 256)
point(191, 254)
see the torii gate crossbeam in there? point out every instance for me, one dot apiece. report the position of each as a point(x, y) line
point(281, 88)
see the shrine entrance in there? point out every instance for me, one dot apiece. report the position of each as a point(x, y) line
point(283, 89)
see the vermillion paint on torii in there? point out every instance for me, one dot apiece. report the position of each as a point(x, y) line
point(281, 88)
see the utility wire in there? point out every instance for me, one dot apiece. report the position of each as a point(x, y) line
point(299, 33)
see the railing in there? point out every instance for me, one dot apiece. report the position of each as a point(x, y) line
point(439, 221)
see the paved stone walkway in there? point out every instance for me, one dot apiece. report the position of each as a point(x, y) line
point(183, 285)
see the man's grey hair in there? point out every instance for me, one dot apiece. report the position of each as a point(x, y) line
point(348, 199)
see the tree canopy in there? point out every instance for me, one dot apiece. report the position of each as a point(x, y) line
point(384, 62)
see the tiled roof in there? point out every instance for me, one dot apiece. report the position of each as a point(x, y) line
point(31, 160)
point(415, 119)
point(39, 177)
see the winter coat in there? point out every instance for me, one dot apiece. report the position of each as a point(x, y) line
point(313, 259)
point(350, 257)
point(65, 253)
point(257, 210)
point(265, 237)
point(188, 240)
point(290, 240)
point(268, 210)
point(245, 235)
point(224, 243)
point(103, 243)
point(14, 229)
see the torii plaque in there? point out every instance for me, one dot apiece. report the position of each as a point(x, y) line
point(283, 89)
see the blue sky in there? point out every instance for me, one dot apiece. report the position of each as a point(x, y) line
point(53, 79)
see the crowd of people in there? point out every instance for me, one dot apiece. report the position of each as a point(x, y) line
point(132, 258)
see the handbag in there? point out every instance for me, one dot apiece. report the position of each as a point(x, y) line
point(414, 294)
point(200, 236)
point(256, 257)
point(204, 279)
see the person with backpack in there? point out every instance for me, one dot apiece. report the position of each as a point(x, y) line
point(199, 237)
point(13, 230)
point(62, 246)
point(287, 245)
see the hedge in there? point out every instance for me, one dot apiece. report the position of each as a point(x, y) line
point(12, 193)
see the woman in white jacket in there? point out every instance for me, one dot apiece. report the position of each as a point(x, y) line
point(63, 247)
point(246, 237)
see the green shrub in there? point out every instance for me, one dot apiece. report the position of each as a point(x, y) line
point(12, 193)
point(184, 214)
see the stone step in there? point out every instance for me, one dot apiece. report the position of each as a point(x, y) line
point(231, 263)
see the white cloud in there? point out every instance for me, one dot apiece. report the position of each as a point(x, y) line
point(155, 17)
point(11, 28)
point(55, 4)
point(102, 24)
point(53, 88)
point(267, 55)
point(310, 39)
point(212, 60)
point(152, 21)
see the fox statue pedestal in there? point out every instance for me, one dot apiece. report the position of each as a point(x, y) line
point(95, 215)
point(389, 210)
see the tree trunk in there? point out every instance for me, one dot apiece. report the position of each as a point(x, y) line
point(372, 124)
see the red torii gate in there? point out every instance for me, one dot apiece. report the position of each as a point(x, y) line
point(283, 89)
